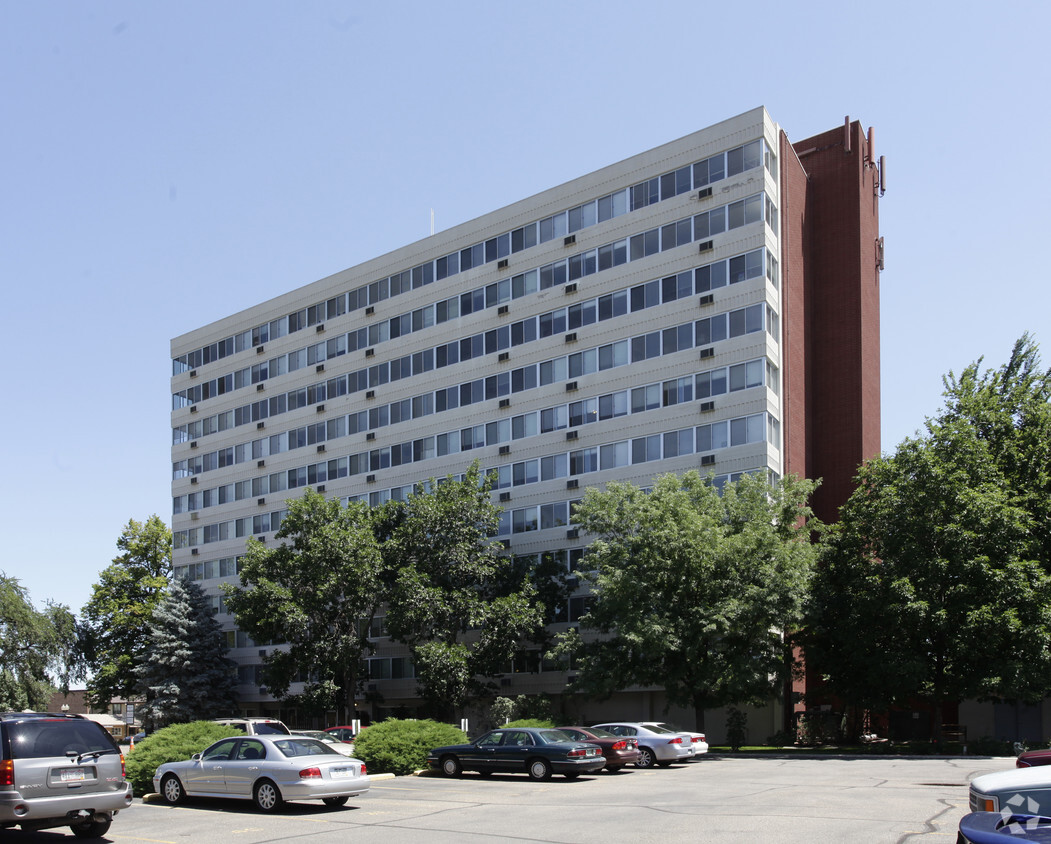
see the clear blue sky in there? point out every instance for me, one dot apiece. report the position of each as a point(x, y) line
point(163, 165)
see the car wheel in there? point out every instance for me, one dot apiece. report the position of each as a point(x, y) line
point(646, 758)
point(267, 796)
point(91, 829)
point(571, 775)
point(334, 802)
point(172, 790)
point(451, 766)
point(539, 769)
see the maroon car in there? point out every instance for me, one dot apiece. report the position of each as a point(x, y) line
point(1032, 758)
point(619, 751)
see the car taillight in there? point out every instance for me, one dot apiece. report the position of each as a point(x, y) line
point(7, 772)
point(309, 773)
point(676, 740)
point(620, 745)
point(363, 772)
point(698, 738)
point(578, 751)
point(123, 770)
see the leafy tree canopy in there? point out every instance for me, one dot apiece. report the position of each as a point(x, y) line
point(35, 648)
point(186, 675)
point(115, 622)
point(692, 589)
point(935, 582)
point(454, 596)
point(317, 592)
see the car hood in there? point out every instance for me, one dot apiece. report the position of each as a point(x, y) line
point(1015, 778)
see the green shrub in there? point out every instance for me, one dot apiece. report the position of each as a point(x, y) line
point(782, 738)
point(401, 747)
point(988, 746)
point(174, 743)
point(535, 723)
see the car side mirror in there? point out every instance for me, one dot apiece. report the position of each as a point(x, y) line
point(196, 757)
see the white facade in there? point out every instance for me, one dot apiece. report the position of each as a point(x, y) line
point(619, 326)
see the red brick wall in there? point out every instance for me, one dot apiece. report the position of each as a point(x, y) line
point(831, 291)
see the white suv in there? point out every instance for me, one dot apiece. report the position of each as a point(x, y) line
point(256, 726)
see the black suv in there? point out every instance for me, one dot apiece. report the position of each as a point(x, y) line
point(59, 770)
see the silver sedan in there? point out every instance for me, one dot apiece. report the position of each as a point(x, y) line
point(265, 769)
point(657, 745)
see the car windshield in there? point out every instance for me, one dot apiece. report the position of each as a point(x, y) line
point(657, 728)
point(598, 732)
point(664, 725)
point(36, 738)
point(292, 747)
point(549, 736)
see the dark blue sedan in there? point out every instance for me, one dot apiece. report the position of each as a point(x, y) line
point(518, 750)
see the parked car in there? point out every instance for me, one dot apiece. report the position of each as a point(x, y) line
point(256, 726)
point(266, 769)
point(343, 733)
point(59, 770)
point(537, 752)
point(1022, 790)
point(698, 740)
point(657, 746)
point(344, 747)
point(618, 751)
point(1033, 758)
point(997, 828)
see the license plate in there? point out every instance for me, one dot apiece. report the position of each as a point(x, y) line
point(72, 775)
point(342, 772)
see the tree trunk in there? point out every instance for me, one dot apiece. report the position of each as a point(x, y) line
point(698, 717)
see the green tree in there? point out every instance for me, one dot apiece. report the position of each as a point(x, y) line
point(692, 589)
point(454, 596)
point(318, 593)
point(934, 584)
point(35, 648)
point(186, 675)
point(115, 620)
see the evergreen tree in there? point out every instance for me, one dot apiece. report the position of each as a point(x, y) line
point(186, 675)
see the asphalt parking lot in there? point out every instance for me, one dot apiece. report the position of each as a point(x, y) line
point(724, 799)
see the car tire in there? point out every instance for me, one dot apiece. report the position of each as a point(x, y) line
point(335, 802)
point(646, 758)
point(91, 829)
point(539, 769)
point(451, 766)
point(267, 796)
point(172, 791)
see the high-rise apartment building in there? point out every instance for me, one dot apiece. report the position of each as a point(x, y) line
point(710, 304)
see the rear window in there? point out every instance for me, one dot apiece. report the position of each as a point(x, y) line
point(304, 747)
point(270, 728)
point(37, 738)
